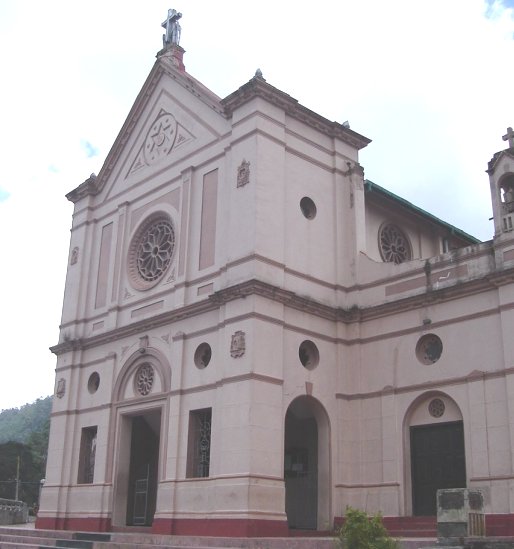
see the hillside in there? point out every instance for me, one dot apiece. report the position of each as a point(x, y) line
point(23, 444)
point(18, 424)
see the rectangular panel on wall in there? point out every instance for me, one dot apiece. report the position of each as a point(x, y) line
point(208, 227)
point(102, 279)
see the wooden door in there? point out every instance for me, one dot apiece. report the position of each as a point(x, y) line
point(437, 461)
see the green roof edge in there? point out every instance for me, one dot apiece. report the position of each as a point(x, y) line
point(370, 187)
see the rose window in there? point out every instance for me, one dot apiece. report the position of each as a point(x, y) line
point(151, 252)
point(393, 244)
point(144, 379)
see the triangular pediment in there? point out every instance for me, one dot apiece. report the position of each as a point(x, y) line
point(173, 117)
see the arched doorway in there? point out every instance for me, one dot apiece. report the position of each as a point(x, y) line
point(143, 467)
point(139, 412)
point(436, 448)
point(307, 464)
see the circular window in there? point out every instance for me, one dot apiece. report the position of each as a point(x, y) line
point(436, 407)
point(151, 251)
point(93, 382)
point(429, 349)
point(144, 379)
point(393, 244)
point(308, 207)
point(203, 355)
point(308, 354)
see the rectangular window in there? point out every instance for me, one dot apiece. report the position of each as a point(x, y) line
point(87, 455)
point(199, 443)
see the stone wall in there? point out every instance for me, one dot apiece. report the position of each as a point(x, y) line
point(13, 512)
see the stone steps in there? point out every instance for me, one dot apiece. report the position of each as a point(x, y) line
point(19, 538)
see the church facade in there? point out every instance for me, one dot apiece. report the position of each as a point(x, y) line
point(254, 336)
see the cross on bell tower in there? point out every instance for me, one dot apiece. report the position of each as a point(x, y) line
point(509, 136)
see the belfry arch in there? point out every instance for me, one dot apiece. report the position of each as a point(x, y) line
point(434, 451)
point(307, 464)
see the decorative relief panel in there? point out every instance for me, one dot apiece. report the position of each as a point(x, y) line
point(74, 256)
point(238, 344)
point(243, 174)
point(144, 379)
point(436, 408)
point(160, 139)
point(60, 389)
point(164, 136)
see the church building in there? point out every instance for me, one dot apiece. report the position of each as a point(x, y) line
point(254, 336)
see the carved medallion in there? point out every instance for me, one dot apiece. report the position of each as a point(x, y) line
point(144, 379)
point(243, 174)
point(238, 344)
point(436, 407)
point(60, 389)
point(74, 256)
point(160, 138)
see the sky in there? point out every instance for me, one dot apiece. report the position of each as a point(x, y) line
point(431, 83)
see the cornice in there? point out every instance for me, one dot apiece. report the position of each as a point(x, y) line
point(294, 301)
point(476, 375)
point(491, 166)
point(258, 87)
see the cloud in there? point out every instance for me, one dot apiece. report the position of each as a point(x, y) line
point(4, 195)
point(91, 151)
point(497, 8)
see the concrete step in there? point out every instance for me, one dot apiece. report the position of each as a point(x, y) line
point(48, 539)
point(19, 545)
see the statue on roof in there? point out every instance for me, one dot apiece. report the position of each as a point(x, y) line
point(172, 26)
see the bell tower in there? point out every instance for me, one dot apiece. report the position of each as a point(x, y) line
point(501, 179)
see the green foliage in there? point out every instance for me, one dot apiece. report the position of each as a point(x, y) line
point(24, 434)
point(18, 424)
point(28, 491)
point(362, 532)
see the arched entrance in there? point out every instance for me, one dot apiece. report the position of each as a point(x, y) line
point(437, 454)
point(307, 464)
point(139, 411)
point(143, 464)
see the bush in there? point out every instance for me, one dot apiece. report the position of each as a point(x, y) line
point(362, 532)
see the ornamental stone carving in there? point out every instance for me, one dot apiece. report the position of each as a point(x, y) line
point(436, 408)
point(151, 252)
point(243, 174)
point(74, 256)
point(144, 379)
point(60, 389)
point(160, 139)
point(238, 344)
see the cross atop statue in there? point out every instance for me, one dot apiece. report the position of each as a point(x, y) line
point(172, 26)
point(509, 136)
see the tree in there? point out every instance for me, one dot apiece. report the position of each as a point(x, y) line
point(29, 474)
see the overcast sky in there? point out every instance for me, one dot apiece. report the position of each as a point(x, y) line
point(431, 83)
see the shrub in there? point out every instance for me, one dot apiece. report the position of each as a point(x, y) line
point(362, 532)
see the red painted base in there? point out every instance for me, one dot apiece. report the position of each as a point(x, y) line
point(80, 524)
point(499, 525)
point(232, 528)
point(426, 527)
point(496, 525)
